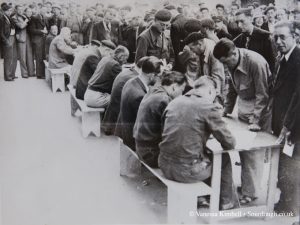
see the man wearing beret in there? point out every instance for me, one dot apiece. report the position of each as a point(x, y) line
point(8, 41)
point(152, 42)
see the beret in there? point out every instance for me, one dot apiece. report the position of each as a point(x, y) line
point(108, 44)
point(5, 7)
point(193, 37)
point(96, 42)
point(192, 25)
point(163, 15)
point(270, 8)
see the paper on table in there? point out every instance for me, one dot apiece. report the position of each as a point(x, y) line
point(244, 138)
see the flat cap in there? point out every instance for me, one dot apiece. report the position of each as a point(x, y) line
point(108, 44)
point(220, 6)
point(96, 42)
point(170, 7)
point(163, 15)
point(217, 19)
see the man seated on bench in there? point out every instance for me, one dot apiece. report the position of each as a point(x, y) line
point(99, 89)
point(60, 48)
point(189, 121)
point(148, 125)
point(132, 95)
point(111, 114)
point(89, 66)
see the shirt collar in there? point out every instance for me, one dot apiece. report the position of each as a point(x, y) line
point(144, 82)
point(287, 56)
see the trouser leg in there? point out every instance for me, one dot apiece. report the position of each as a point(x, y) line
point(227, 190)
point(22, 58)
point(29, 58)
point(38, 48)
point(252, 170)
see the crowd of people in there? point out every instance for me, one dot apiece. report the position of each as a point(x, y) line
point(167, 76)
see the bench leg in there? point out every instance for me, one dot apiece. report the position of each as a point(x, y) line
point(47, 75)
point(58, 82)
point(130, 166)
point(74, 106)
point(182, 208)
point(90, 123)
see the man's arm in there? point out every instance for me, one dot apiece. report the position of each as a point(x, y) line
point(219, 130)
point(64, 48)
point(260, 73)
point(141, 48)
point(230, 98)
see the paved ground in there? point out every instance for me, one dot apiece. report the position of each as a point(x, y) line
point(50, 175)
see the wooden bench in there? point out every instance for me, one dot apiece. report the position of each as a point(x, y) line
point(182, 198)
point(47, 75)
point(90, 118)
point(56, 77)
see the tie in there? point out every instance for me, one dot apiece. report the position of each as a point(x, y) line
point(202, 64)
point(281, 68)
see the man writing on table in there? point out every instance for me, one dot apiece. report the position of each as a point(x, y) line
point(249, 74)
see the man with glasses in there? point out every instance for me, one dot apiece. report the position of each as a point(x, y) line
point(285, 118)
point(153, 42)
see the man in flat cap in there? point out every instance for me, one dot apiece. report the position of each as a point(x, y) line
point(153, 42)
point(55, 18)
point(270, 12)
point(80, 57)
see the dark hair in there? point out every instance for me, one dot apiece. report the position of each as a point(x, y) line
point(140, 62)
point(171, 77)
point(192, 25)
point(208, 23)
point(220, 6)
point(288, 24)
point(193, 37)
point(223, 48)
point(296, 24)
point(151, 65)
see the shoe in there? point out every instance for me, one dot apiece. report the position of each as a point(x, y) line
point(40, 77)
point(25, 77)
point(9, 79)
point(227, 206)
point(202, 202)
point(244, 199)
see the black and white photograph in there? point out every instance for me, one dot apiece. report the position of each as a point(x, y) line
point(149, 112)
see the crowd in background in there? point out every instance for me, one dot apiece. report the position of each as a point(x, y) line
point(201, 61)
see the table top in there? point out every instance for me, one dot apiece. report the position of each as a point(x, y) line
point(245, 139)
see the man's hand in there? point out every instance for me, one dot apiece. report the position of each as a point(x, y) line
point(284, 134)
point(254, 127)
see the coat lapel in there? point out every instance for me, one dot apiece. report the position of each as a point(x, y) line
point(280, 78)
